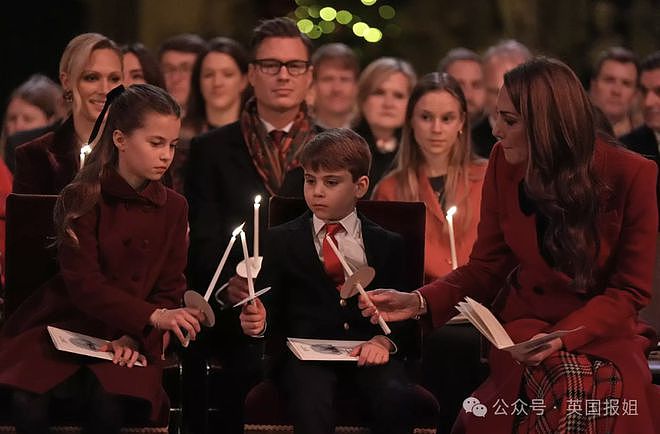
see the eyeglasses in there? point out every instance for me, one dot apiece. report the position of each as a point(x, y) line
point(182, 68)
point(273, 66)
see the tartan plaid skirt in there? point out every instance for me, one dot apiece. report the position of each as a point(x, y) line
point(568, 394)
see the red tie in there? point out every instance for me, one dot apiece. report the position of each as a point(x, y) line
point(277, 136)
point(330, 260)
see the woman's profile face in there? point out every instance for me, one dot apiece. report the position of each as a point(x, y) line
point(510, 129)
point(133, 73)
point(436, 122)
point(221, 81)
point(385, 107)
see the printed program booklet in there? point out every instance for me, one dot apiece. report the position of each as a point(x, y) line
point(322, 349)
point(490, 327)
point(79, 343)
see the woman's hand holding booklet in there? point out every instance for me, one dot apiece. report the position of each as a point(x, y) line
point(484, 321)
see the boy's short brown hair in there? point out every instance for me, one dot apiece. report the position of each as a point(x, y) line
point(337, 149)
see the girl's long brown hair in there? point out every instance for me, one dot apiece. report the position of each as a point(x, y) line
point(560, 176)
point(126, 114)
point(410, 158)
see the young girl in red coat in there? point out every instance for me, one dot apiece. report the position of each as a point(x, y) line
point(121, 238)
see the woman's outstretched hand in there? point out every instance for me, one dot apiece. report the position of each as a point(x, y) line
point(392, 305)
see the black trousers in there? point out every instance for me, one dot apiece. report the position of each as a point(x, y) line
point(311, 388)
point(78, 399)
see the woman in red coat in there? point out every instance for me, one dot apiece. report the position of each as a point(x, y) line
point(121, 239)
point(566, 240)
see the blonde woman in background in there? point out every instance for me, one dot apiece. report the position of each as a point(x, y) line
point(90, 67)
point(383, 90)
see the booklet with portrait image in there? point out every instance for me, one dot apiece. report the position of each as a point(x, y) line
point(322, 349)
point(78, 343)
point(484, 321)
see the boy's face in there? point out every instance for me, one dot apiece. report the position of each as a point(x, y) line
point(331, 195)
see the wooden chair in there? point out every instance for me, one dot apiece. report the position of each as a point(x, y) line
point(264, 407)
point(30, 262)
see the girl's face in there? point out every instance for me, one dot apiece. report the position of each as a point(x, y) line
point(221, 81)
point(21, 116)
point(436, 122)
point(133, 73)
point(385, 107)
point(146, 153)
point(510, 130)
point(101, 74)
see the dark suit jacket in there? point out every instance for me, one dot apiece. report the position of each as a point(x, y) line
point(381, 163)
point(47, 164)
point(642, 140)
point(220, 186)
point(304, 301)
point(482, 138)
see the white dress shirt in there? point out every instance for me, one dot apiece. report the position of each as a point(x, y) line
point(349, 241)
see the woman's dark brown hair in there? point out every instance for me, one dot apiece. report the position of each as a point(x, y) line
point(195, 118)
point(560, 176)
point(148, 62)
point(126, 114)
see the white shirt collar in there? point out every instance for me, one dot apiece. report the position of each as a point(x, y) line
point(349, 223)
point(270, 127)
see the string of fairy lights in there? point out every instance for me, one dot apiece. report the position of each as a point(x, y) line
point(316, 20)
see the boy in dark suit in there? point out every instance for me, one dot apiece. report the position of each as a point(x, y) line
point(304, 301)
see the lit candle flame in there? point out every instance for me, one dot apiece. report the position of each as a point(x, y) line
point(238, 230)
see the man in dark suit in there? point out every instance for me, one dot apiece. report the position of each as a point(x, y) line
point(613, 87)
point(306, 272)
point(645, 139)
point(228, 167)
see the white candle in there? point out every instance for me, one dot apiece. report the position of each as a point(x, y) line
point(221, 265)
point(349, 272)
point(452, 242)
point(248, 270)
point(257, 202)
point(84, 152)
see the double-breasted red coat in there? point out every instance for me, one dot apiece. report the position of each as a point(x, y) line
point(437, 254)
point(540, 301)
point(130, 261)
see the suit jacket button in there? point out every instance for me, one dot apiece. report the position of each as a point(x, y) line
point(135, 277)
point(342, 302)
point(346, 326)
point(145, 244)
point(538, 290)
